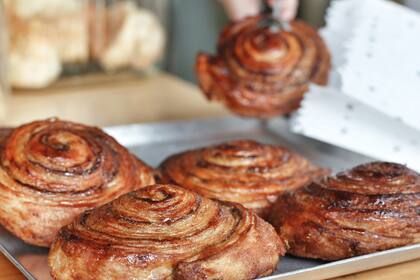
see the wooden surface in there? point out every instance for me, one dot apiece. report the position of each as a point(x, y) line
point(118, 99)
point(125, 99)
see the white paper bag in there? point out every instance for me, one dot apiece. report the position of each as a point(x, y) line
point(372, 103)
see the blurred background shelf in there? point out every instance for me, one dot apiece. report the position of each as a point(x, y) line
point(104, 100)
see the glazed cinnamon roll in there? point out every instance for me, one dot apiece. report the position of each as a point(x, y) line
point(52, 170)
point(372, 207)
point(166, 232)
point(244, 171)
point(259, 72)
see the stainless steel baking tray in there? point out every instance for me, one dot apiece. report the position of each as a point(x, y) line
point(153, 142)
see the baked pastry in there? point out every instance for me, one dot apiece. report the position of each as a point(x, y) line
point(242, 171)
point(63, 26)
point(52, 170)
point(126, 36)
point(32, 61)
point(258, 72)
point(47, 34)
point(165, 232)
point(43, 8)
point(372, 207)
point(44, 35)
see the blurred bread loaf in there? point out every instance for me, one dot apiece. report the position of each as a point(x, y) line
point(150, 42)
point(134, 38)
point(61, 24)
point(32, 61)
point(45, 8)
point(47, 34)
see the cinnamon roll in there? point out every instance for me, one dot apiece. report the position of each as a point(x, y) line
point(372, 207)
point(165, 232)
point(244, 171)
point(258, 72)
point(52, 170)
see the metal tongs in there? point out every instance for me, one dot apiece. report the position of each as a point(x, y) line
point(274, 21)
point(275, 24)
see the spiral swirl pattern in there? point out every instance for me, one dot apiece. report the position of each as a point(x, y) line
point(165, 232)
point(263, 73)
point(242, 171)
point(51, 171)
point(372, 207)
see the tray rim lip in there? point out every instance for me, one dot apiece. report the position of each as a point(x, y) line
point(10, 257)
point(229, 120)
point(251, 123)
point(407, 248)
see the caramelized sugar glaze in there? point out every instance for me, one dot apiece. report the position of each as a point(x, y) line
point(372, 207)
point(53, 170)
point(243, 171)
point(166, 232)
point(261, 73)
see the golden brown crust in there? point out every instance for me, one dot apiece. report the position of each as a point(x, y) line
point(261, 73)
point(243, 171)
point(372, 207)
point(52, 170)
point(165, 232)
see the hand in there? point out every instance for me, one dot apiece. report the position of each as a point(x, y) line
point(288, 9)
point(239, 9)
